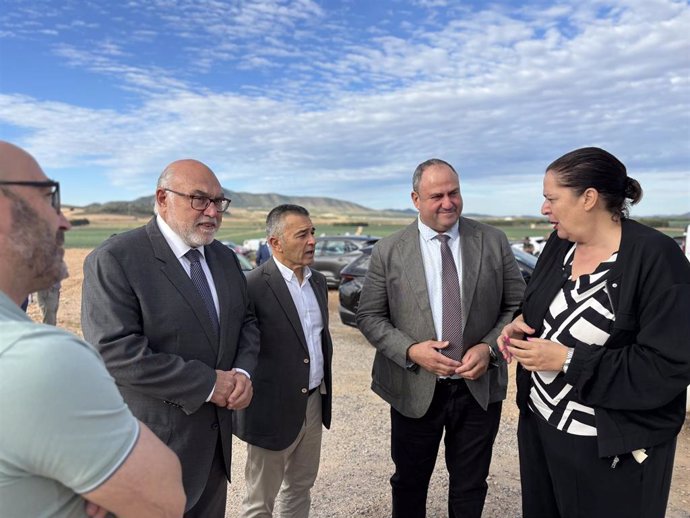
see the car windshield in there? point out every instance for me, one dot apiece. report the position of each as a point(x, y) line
point(526, 258)
point(244, 262)
point(360, 265)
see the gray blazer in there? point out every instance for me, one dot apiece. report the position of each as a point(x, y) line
point(395, 312)
point(281, 378)
point(142, 312)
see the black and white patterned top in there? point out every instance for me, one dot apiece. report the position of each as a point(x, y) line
point(581, 311)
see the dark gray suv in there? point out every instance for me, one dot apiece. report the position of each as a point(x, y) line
point(333, 253)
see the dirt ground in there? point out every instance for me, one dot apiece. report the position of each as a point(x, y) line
point(355, 464)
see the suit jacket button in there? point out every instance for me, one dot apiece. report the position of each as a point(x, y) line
point(306, 360)
point(304, 391)
point(214, 426)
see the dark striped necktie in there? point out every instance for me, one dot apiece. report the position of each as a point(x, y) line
point(201, 284)
point(451, 329)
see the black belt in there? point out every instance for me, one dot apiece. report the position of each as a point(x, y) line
point(311, 391)
point(450, 381)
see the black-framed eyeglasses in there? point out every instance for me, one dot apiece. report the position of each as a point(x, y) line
point(201, 203)
point(52, 185)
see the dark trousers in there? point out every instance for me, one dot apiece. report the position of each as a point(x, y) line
point(562, 476)
point(211, 503)
point(469, 436)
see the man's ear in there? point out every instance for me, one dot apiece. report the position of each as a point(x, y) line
point(415, 199)
point(274, 243)
point(161, 197)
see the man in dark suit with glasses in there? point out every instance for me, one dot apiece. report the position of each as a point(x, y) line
point(166, 304)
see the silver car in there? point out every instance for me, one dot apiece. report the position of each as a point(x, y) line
point(333, 253)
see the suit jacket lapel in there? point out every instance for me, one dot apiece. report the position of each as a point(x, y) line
point(276, 283)
point(413, 267)
point(471, 252)
point(172, 269)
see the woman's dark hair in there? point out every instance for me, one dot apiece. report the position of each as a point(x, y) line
point(593, 167)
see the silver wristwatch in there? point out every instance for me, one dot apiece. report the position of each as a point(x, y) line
point(568, 357)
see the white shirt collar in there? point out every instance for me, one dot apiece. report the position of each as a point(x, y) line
point(176, 243)
point(429, 233)
point(288, 274)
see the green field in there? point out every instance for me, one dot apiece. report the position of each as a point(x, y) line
point(239, 230)
point(233, 230)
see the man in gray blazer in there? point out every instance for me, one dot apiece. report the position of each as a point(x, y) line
point(292, 398)
point(435, 298)
point(166, 305)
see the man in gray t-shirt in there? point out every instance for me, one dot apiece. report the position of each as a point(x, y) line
point(69, 446)
point(77, 432)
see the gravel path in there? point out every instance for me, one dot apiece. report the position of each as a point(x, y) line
point(355, 461)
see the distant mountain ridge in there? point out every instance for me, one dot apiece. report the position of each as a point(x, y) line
point(318, 204)
point(240, 200)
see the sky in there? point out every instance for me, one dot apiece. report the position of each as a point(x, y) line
point(345, 98)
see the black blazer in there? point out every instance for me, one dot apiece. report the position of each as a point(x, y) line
point(142, 312)
point(281, 378)
point(637, 381)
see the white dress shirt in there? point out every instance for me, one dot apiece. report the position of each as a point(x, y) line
point(431, 257)
point(309, 315)
point(179, 248)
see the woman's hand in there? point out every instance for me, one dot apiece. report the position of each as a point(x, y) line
point(516, 329)
point(537, 354)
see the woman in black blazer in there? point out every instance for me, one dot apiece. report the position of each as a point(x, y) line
point(602, 349)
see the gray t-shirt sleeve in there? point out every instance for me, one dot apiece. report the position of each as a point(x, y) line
point(65, 418)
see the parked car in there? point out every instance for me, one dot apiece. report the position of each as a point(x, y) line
point(238, 249)
point(536, 243)
point(333, 253)
point(245, 263)
point(352, 279)
point(253, 244)
point(526, 263)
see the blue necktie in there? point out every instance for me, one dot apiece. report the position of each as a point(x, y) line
point(199, 280)
point(451, 329)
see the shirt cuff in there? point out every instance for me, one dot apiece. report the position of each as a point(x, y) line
point(211, 394)
point(243, 372)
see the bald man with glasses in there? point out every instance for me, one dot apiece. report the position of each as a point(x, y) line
point(166, 305)
point(70, 446)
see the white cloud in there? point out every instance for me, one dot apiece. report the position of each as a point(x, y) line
point(499, 93)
